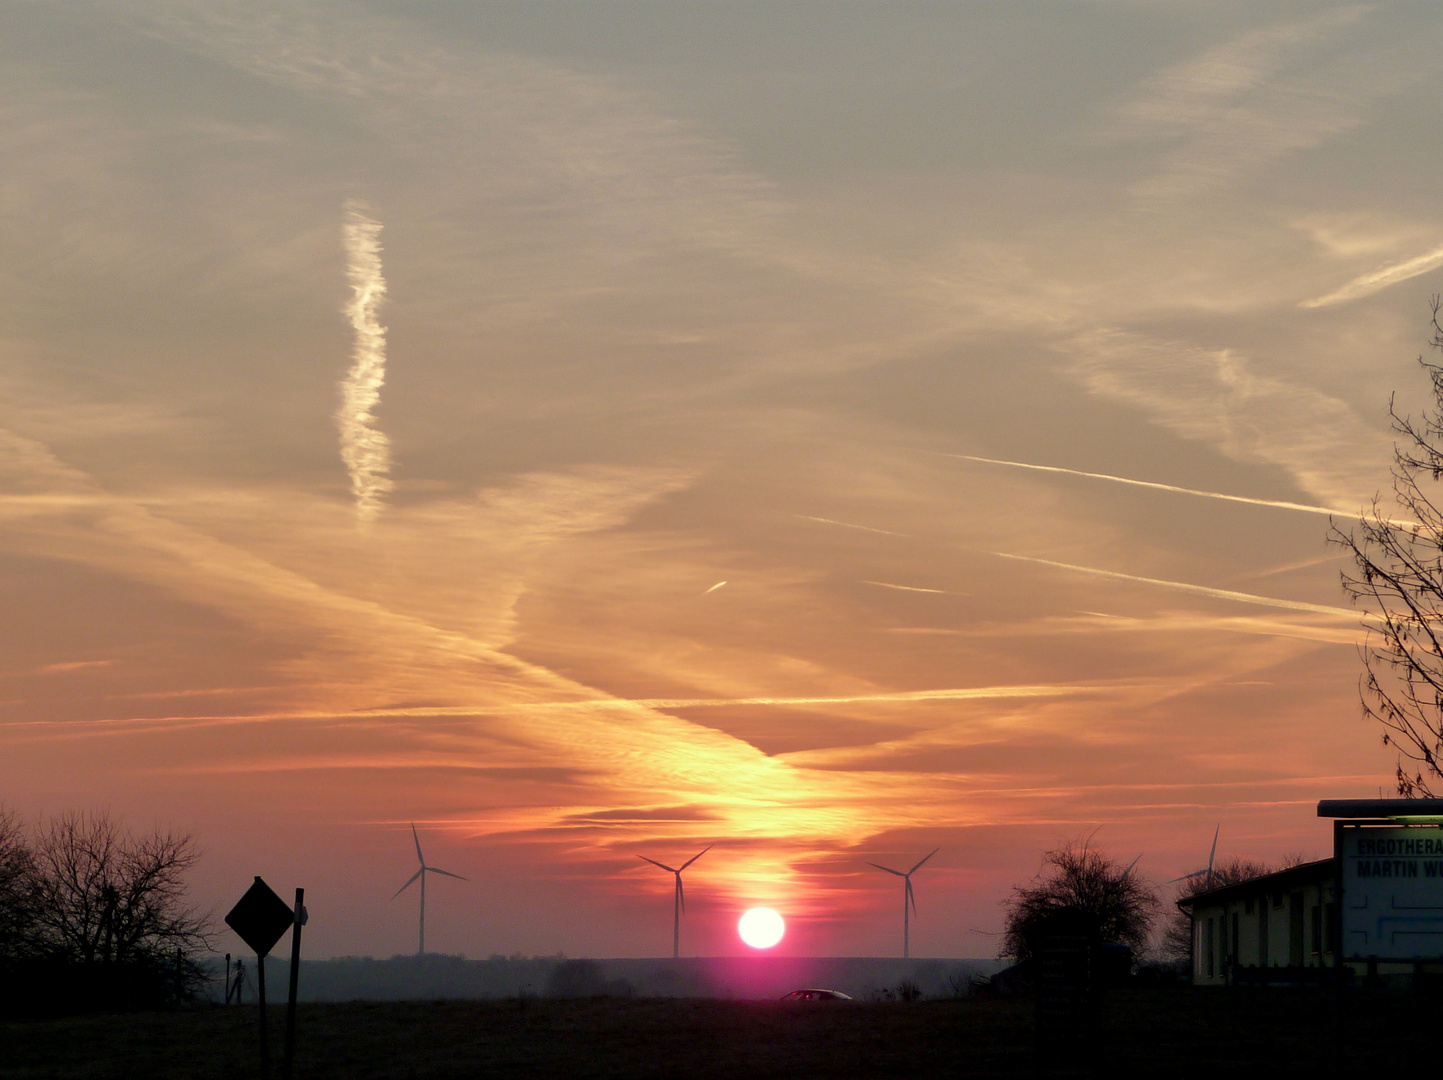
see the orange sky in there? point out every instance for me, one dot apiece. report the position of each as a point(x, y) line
point(386, 391)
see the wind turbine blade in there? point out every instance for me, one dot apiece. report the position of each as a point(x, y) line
point(911, 895)
point(1185, 877)
point(416, 837)
point(680, 894)
point(697, 856)
point(919, 865)
point(668, 869)
point(408, 884)
point(448, 873)
point(1213, 853)
point(1132, 864)
point(889, 870)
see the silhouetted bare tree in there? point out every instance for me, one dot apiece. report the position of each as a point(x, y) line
point(1082, 886)
point(103, 897)
point(1176, 944)
point(1397, 578)
point(17, 888)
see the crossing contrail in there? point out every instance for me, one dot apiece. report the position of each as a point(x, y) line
point(1281, 504)
point(1201, 590)
point(365, 450)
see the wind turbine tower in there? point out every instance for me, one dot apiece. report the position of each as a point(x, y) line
point(680, 904)
point(421, 874)
point(909, 899)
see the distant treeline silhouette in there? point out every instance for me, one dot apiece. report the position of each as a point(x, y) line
point(94, 918)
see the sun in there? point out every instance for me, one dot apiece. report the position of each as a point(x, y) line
point(761, 928)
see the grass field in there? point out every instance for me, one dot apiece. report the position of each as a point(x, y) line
point(1170, 1032)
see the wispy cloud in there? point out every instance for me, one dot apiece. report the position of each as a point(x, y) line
point(1255, 99)
point(1216, 396)
point(1377, 280)
point(365, 450)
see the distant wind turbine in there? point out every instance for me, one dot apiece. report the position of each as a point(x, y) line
point(909, 899)
point(1208, 870)
point(680, 905)
point(421, 874)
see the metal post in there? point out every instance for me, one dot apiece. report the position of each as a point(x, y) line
point(261, 989)
point(226, 985)
point(1336, 936)
point(290, 1046)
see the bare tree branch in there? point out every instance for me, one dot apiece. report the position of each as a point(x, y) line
point(1397, 580)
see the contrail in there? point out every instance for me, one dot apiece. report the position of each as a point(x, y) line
point(1201, 590)
point(365, 450)
point(849, 525)
point(1278, 503)
point(1378, 280)
point(904, 588)
point(715, 587)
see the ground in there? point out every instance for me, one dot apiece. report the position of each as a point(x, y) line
point(1173, 1032)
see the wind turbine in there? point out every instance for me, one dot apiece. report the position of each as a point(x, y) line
point(421, 873)
point(680, 897)
point(909, 899)
point(1208, 870)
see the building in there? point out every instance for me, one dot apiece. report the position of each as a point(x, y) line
point(1276, 928)
point(1374, 910)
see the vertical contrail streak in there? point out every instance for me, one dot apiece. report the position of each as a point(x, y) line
point(365, 450)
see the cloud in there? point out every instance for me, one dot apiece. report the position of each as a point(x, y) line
point(1263, 95)
point(1377, 280)
point(365, 450)
point(1215, 396)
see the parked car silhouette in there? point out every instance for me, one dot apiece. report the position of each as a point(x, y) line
point(816, 994)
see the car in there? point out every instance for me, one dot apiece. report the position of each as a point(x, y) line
point(816, 994)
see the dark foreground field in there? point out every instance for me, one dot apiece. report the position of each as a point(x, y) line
point(1175, 1032)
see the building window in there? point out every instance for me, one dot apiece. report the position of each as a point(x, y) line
point(1233, 951)
point(1208, 948)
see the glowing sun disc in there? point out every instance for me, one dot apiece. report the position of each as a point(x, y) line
point(761, 927)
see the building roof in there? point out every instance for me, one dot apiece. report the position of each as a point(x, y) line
point(1292, 877)
point(1381, 809)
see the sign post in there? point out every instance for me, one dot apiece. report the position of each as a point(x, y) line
point(299, 917)
point(261, 918)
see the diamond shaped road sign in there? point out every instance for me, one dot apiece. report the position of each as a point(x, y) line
point(260, 917)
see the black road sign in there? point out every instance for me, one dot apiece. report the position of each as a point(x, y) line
point(260, 917)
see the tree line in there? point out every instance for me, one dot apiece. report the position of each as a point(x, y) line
point(95, 917)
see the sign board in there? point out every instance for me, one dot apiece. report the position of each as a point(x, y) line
point(260, 917)
point(1392, 892)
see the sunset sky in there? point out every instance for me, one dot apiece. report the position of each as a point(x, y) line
point(388, 387)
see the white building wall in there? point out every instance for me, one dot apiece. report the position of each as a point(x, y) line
point(1275, 928)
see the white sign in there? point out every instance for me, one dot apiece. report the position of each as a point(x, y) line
point(1393, 892)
